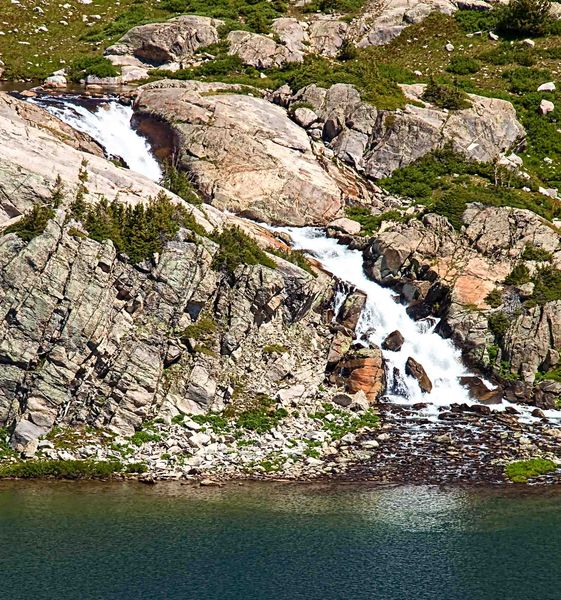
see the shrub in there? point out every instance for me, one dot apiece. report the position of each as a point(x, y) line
point(519, 275)
point(143, 436)
point(61, 469)
point(202, 329)
point(494, 298)
point(532, 252)
point(348, 51)
point(522, 470)
point(547, 286)
point(99, 66)
point(371, 223)
point(476, 20)
point(215, 421)
point(463, 65)
point(32, 223)
point(523, 18)
point(445, 96)
point(498, 322)
point(237, 248)
point(138, 231)
point(262, 417)
point(178, 183)
point(296, 257)
point(451, 205)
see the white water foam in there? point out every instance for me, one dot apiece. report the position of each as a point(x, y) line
point(110, 125)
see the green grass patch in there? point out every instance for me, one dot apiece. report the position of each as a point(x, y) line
point(523, 470)
point(344, 422)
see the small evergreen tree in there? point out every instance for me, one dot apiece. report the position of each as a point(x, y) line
point(525, 17)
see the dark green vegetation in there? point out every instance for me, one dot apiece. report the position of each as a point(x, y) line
point(344, 422)
point(91, 65)
point(525, 18)
point(61, 469)
point(522, 470)
point(446, 183)
point(178, 183)
point(32, 223)
point(446, 96)
point(376, 81)
point(138, 231)
point(518, 276)
point(237, 248)
point(371, 223)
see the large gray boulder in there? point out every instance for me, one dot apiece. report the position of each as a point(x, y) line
point(261, 51)
point(173, 40)
point(245, 154)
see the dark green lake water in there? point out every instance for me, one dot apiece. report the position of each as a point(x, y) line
point(124, 541)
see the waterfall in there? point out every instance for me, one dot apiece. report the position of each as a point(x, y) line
point(109, 123)
point(381, 316)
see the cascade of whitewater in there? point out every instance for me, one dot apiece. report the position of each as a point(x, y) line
point(381, 316)
point(109, 124)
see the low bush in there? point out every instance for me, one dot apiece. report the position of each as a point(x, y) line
point(177, 182)
point(536, 253)
point(463, 65)
point(547, 286)
point(522, 470)
point(99, 66)
point(371, 223)
point(498, 322)
point(519, 275)
point(32, 223)
point(445, 96)
point(522, 18)
point(262, 416)
point(237, 248)
point(60, 469)
point(494, 298)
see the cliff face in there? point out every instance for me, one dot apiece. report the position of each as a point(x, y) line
point(87, 338)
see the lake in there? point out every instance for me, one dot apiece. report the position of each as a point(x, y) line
point(277, 541)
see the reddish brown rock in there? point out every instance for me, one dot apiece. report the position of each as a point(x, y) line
point(480, 392)
point(364, 370)
point(416, 370)
point(393, 342)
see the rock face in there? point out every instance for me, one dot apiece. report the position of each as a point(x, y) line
point(245, 154)
point(87, 338)
point(261, 51)
point(171, 41)
point(378, 142)
point(416, 370)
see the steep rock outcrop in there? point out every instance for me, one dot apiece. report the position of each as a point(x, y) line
point(87, 338)
point(245, 155)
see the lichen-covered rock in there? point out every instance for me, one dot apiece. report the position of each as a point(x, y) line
point(245, 154)
point(173, 40)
